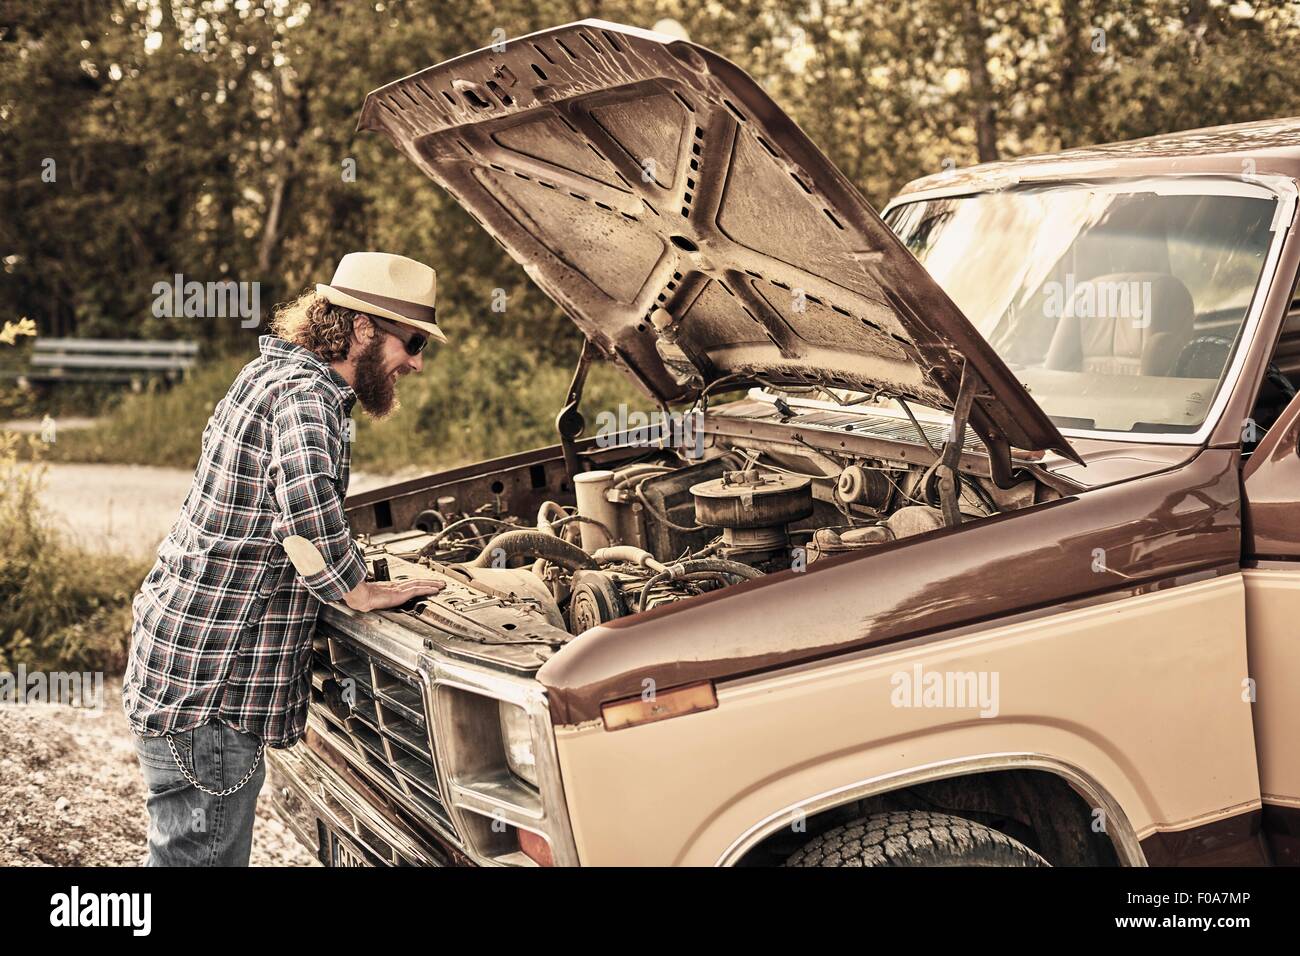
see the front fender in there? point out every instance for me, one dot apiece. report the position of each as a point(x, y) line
point(1127, 695)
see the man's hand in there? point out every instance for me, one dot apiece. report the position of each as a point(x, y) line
point(377, 595)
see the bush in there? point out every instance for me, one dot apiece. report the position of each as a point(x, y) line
point(476, 400)
point(160, 425)
point(479, 402)
point(60, 608)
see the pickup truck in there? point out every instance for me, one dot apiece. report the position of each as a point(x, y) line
point(994, 560)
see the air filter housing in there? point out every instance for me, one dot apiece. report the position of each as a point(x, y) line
point(753, 508)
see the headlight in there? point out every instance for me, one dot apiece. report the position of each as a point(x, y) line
point(517, 736)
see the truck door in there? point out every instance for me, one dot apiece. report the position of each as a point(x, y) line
point(1271, 569)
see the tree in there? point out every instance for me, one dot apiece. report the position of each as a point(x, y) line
point(214, 138)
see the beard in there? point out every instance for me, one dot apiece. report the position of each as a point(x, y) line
point(376, 389)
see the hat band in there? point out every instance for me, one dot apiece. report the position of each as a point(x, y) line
point(412, 310)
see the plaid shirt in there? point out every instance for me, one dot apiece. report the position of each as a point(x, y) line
point(223, 623)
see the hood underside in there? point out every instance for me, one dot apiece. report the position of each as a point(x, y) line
point(630, 172)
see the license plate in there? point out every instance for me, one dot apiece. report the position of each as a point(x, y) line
point(344, 854)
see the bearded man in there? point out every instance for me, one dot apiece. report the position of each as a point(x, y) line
point(222, 633)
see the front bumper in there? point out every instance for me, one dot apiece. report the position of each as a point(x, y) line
point(317, 801)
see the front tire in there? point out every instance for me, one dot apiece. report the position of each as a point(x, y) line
point(914, 838)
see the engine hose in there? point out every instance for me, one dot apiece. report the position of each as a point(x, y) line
point(661, 515)
point(583, 519)
point(982, 494)
point(636, 472)
point(536, 544)
point(708, 550)
point(674, 571)
point(432, 547)
point(632, 474)
point(723, 576)
point(546, 514)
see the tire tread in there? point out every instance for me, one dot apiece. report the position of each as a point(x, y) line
point(914, 838)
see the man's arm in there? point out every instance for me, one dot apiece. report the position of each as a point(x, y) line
point(366, 596)
point(311, 525)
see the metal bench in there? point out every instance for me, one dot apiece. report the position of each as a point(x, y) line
point(106, 360)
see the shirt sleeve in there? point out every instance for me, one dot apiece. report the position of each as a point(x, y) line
point(306, 448)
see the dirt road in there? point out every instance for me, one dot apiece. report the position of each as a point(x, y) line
point(128, 509)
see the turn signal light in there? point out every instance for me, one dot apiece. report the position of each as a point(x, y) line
point(646, 709)
point(535, 848)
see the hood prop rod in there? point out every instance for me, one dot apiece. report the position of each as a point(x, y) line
point(570, 423)
point(950, 458)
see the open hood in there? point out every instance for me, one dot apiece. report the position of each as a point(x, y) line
point(689, 228)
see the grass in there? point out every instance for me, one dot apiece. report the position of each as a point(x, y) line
point(479, 403)
point(61, 609)
point(475, 401)
point(158, 426)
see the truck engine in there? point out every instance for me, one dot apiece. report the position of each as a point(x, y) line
point(663, 528)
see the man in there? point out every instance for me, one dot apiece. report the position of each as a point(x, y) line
point(221, 641)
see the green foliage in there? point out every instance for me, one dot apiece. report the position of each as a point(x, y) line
point(209, 138)
point(158, 426)
point(60, 608)
point(480, 403)
point(474, 403)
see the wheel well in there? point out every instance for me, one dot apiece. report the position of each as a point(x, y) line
point(1036, 807)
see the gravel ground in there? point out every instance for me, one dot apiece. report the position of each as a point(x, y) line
point(71, 792)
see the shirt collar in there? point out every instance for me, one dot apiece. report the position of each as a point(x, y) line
point(274, 347)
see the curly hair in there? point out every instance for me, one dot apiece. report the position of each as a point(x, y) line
point(316, 324)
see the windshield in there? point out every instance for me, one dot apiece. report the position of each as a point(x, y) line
point(1118, 307)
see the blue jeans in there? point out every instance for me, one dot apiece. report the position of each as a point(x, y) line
point(188, 827)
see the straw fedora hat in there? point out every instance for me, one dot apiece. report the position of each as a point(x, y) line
point(389, 286)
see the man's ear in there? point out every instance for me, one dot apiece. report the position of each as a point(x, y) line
point(363, 330)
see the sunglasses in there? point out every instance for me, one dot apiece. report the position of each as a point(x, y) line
point(414, 341)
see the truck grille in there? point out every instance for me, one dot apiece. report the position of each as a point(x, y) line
point(375, 709)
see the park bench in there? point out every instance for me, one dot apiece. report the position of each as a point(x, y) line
point(106, 360)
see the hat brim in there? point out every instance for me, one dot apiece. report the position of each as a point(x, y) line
point(360, 305)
